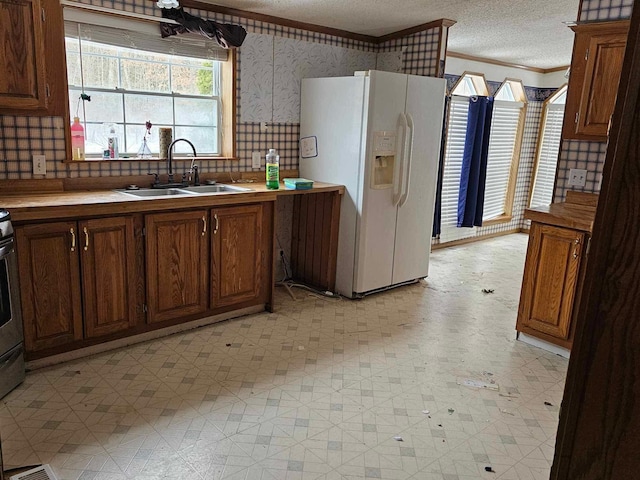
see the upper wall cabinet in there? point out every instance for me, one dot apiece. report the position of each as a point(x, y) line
point(23, 84)
point(32, 58)
point(598, 53)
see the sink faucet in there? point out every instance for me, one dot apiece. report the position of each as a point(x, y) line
point(193, 173)
point(170, 156)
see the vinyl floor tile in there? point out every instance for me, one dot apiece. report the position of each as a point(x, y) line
point(421, 382)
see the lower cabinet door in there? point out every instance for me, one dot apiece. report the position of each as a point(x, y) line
point(550, 279)
point(237, 262)
point(177, 264)
point(107, 249)
point(49, 268)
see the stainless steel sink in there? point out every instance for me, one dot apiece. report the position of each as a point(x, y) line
point(199, 190)
point(156, 192)
point(218, 188)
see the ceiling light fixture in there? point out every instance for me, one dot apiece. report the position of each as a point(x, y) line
point(167, 4)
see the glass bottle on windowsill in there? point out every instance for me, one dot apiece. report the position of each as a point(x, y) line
point(77, 139)
point(144, 151)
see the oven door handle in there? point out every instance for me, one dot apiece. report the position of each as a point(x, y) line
point(6, 249)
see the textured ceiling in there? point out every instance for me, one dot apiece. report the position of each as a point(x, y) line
point(526, 32)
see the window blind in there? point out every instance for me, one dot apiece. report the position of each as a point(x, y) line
point(139, 35)
point(502, 141)
point(454, 150)
point(547, 161)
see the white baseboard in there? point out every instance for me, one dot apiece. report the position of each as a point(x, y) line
point(549, 347)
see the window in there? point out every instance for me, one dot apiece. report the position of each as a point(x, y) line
point(134, 76)
point(454, 149)
point(468, 85)
point(504, 144)
point(503, 156)
point(548, 148)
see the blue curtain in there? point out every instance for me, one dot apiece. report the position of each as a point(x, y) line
point(474, 162)
point(437, 217)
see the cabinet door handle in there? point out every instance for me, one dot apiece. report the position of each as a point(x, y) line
point(73, 239)
point(215, 230)
point(575, 250)
point(204, 225)
point(86, 238)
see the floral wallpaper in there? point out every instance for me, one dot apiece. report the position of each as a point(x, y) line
point(272, 68)
point(390, 61)
point(256, 80)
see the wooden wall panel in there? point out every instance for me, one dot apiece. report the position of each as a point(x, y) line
point(314, 239)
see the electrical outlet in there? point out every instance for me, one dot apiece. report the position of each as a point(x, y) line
point(255, 160)
point(577, 177)
point(39, 165)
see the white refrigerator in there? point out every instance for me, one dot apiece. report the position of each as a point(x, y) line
point(379, 134)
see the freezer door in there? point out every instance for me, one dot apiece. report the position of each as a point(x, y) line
point(332, 113)
point(425, 110)
point(376, 232)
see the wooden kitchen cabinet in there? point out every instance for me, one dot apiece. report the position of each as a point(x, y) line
point(108, 275)
point(550, 283)
point(22, 50)
point(50, 289)
point(66, 265)
point(598, 54)
point(142, 266)
point(237, 254)
point(177, 255)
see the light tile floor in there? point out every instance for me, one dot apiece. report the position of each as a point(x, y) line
point(316, 391)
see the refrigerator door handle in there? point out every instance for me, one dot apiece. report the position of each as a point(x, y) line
point(409, 158)
point(398, 168)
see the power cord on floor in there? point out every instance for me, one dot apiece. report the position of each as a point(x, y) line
point(314, 292)
point(288, 282)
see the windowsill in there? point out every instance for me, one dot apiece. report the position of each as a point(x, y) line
point(497, 220)
point(152, 159)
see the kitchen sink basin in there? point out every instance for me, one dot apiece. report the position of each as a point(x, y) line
point(218, 188)
point(200, 189)
point(156, 192)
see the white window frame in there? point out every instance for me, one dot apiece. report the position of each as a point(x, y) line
point(505, 144)
point(223, 73)
point(546, 163)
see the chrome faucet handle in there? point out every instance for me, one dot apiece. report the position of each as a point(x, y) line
point(193, 164)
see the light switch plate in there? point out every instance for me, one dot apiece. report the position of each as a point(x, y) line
point(39, 165)
point(255, 160)
point(577, 177)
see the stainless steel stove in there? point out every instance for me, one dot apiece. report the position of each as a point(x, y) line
point(11, 336)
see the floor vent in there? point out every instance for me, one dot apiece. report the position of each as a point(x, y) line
point(43, 472)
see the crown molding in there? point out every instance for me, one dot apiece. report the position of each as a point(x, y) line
point(491, 61)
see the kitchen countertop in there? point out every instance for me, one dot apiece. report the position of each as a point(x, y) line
point(568, 215)
point(49, 206)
